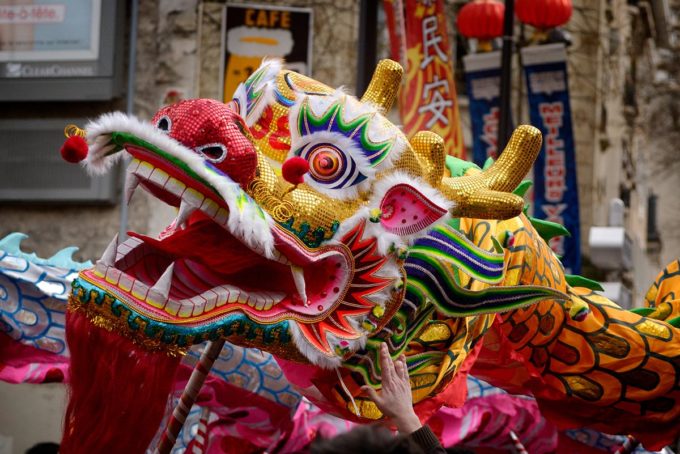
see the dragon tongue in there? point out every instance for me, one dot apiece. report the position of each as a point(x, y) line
point(205, 242)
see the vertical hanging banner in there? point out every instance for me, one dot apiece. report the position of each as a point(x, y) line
point(555, 188)
point(483, 78)
point(253, 32)
point(427, 101)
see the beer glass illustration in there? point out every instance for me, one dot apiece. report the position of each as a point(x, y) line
point(247, 46)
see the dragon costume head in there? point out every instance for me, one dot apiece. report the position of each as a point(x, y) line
point(321, 262)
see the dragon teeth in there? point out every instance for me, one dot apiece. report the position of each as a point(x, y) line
point(299, 279)
point(159, 177)
point(109, 255)
point(131, 183)
point(159, 293)
point(185, 210)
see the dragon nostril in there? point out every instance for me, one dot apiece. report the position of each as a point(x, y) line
point(214, 152)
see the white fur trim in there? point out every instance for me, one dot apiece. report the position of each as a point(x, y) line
point(249, 225)
point(99, 136)
point(267, 84)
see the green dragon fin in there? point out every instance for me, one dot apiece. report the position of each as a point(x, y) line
point(644, 311)
point(458, 167)
point(548, 229)
point(523, 188)
point(674, 322)
point(580, 281)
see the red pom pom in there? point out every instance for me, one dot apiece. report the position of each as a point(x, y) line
point(74, 149)
point(294, 169)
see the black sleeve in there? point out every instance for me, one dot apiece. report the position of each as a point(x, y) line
point(427, 441)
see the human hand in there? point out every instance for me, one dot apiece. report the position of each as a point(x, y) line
point(395, 399)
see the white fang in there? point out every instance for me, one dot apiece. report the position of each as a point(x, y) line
point(299, 279)
point(109, 255)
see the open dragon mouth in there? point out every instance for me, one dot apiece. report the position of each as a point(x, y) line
point(200, 268)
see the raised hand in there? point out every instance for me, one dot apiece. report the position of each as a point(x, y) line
point(395, 399)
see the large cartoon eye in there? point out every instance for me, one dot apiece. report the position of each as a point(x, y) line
point(164, 123)
point(325, 163)
point(330, 166)
point(213, 152)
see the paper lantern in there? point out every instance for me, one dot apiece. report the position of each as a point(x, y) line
point(481, 19)
point(543, 14)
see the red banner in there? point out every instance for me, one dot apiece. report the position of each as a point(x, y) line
point(427, 101)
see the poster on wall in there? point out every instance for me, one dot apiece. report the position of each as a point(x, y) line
point(483, 77)
point(49, 31)
point(253, 32)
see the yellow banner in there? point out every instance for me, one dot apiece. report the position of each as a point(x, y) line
point(428, 99)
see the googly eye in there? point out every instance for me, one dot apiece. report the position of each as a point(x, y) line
point(325, 163)
point(164, 123)
point(213, 152)
point(330, 166)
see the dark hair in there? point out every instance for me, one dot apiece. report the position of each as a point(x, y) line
point(366, 439)
point(44, 448)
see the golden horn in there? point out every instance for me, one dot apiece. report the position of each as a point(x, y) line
point(487, 195)
point(384, 86)
point(429, 148)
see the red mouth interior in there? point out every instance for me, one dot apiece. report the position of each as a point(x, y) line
point(207, 256)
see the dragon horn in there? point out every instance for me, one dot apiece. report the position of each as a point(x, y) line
point(487, 195)
point(384, 86)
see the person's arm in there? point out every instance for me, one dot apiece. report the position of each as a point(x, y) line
point(396, 402)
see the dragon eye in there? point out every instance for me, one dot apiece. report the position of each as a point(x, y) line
point(325, 163)
point(331, 166)
point(213, 152)
point(164, 123)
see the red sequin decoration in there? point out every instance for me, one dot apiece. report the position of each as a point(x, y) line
point(200, 123)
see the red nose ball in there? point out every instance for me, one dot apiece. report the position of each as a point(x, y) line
point(74, 149)
point(294, 169)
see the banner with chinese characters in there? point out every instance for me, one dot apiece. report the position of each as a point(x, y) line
point(253, 32)
point(555, 188)
point(483, 78)
point(427, 101)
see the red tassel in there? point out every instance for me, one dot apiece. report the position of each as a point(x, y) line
point(74, 149)
point(294, 169)
point(118, 391)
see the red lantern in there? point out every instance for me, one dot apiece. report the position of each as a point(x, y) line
point(543, 14)
point(481, 19)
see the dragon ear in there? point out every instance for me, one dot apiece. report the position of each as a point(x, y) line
point(405, 210)
point(384, 86)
